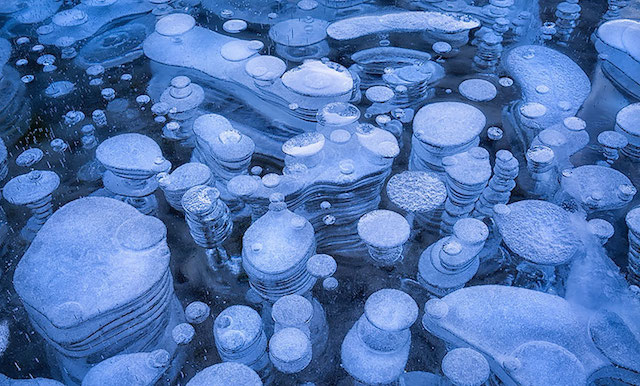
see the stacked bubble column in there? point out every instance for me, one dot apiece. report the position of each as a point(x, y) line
point(500, 185)
point(467, 175)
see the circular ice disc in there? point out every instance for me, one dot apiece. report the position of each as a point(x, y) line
point(175, 24)
point(321, 265)
point(383, 228)
point(59, 89)
point(239, 50)
point(304, 145)
point(416, 191)
point(391, 310)
point(531, 361)
point(226, 374)
point(448, 123)
point(338, 114)
point(539, 232)
point(602, 182)
point(318, 79)
point(30, 187)
point(234, 26)
point(265, 67)
point(465, 366)
point(379, 94)
point(533, 110)
point(478, 90)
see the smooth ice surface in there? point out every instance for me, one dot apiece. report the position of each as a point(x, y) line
point(134, 152)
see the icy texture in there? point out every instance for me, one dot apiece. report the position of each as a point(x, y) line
point(478, 90)
point(292, 311)
point(347, 172)
point(633, 222)
point(464, 366)
point(225, 374)
point(34, 190)
point(129, 369)
point(99, 220)
point(300, 39)
point(448, 124)
point(467, 175)
point(178, 42)
point(30, 12)
point(500, 185)
point(5, 53)
point(442, 129)
point(86, 19)
point(384, 232)
point(275, 252)
point(4, 336)
point(612, 336)
point(401, 22)
point(183, 178)
point(416, 191)
point(197, 312)
point(411, 68)
point(383, 229)
point(538, 231)
point(225, 150)
point(317, 79)
point(617, 39)
point(29, 382)
point(84, 307)
point(321, 266)
point(449, 263)
point(376, 348)
point(627, 124)
point(290, 350)
point(132, 162)
point(527, 335)
point(597, 187)
point(240, 337)
point(567, 86)
point(506, 132)
point(115, 46)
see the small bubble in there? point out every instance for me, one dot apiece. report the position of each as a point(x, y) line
point(329, 220)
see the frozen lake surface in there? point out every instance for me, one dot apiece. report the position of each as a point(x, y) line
point(319, 192)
